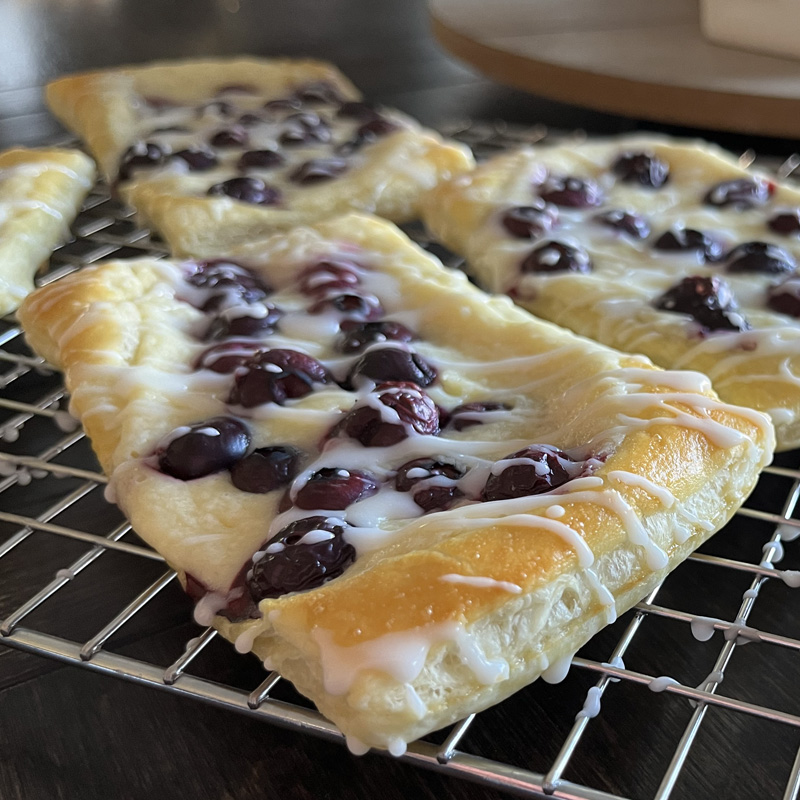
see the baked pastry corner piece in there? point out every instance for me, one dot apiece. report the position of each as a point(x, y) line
point(215, 152)
point(664, 247)
point(40, 194)
point(409, 498)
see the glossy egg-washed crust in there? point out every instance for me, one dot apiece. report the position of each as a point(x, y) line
point(40, 194)
point(101, 107)
point(455, 210)
point(97, 323)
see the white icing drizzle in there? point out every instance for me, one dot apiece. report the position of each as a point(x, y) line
point(401, 655)
point(356, 746)
point(603, 594)
point(788, 532)
point(662, 494)
point(591, 706)
point(482, 582)
point(615, 662)
point(66, 574)
point(65, 421)
point(110, 493)
point(703, 628)
point(662, 683)
point(245, 640)
point(773, 552)
point(207, 607)
point(715, 676)
point(791, 577)
point(396, 746)
point(557, 671)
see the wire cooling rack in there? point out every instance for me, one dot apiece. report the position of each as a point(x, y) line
point(659, 732)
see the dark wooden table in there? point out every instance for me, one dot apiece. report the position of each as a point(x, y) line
point(71, 733)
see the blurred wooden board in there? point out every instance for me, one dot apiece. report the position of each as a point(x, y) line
point(646, 60)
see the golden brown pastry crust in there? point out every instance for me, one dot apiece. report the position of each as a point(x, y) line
point(456, 609)
point(613, 303)
point(40, 194)
point(387, 177)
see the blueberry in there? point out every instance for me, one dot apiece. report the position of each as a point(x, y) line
point(142, 155)
point(382, 364)
point(327, 276)
point(437, 496)
point(469, 414)
point(248, 190)
point(248, 120)
point(204, 448)
point(259, 325)
point(236, 136)
point(197, 159)
point(529, 222)
point(353, 306)
point(708, 301)
point(225, 357)
point(689, 239)
point(785, 297)
point(305, 128)
point(275, 376)
point(786, 223)
point(367, 133)
point(266, 469)
point(260, 159)
point(741, 193)
point(410, 410)
point(318, 169)
point(570, 192)
point(629, 223)
point(302, 556)
point(227, 284)
point(542, 469)
point(335, 489)
point(646, 169)
point(375, 128)
point(557, 257)
point(357, 335)
point(760, 257)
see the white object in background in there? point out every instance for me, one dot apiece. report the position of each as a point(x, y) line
point(767, 26)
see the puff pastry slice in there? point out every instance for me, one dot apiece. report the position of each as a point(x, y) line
point(408, 497)
point(650, 245)
point(40, 194)
point(215, 152)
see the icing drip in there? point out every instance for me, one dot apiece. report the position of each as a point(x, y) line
point(208, 606)
point(402, 656)
point(557, 671)
point(703, 628)
point(615, 662)
point(591, 706)
point(662, 683)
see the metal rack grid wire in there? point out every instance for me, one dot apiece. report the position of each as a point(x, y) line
point(39, 440)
